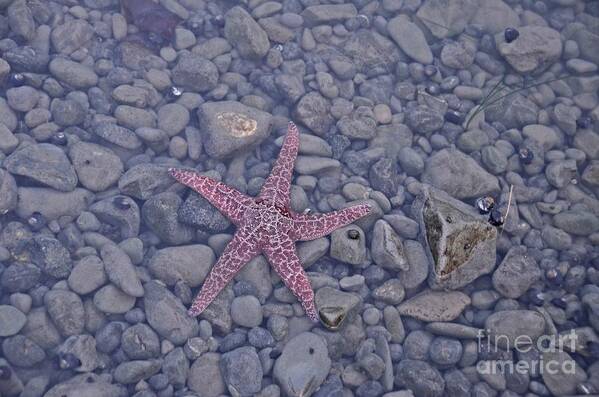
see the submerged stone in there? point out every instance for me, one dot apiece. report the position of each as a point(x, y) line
point(460, 243)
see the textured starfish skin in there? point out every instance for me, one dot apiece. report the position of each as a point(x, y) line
point(265, 225)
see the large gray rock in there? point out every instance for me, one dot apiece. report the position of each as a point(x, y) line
point(52, 204)
point(81, 387)
point(11, 320)
point(432, 306)
point(50, 255)
point(537, 48)
point(513, 111)
point(410, 39)
point(44, 163)
point(371, 52)
point(71, 35)
point(97, 167)
point(495, 15)
point(459, 175)
point(461, 244)
point(244, 33)
point(126, 216)
point(386, 248)
point(242, 370)
point(166, 314)
point(516, 273)
point(66, 310)
point(145, 180)
point(196, 73)
point(446, 18)
point(8, 191)
point(507, 327)
point(232, 126)
point(189, 263)
point(561, 373)
point(72, 73)
point(120, 270)
point(328, 13)
point(160, 215)
point(335, 306)
point(313, 111)
point(303, 365)
point(419, 377)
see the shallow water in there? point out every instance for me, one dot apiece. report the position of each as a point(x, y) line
point(470, 127)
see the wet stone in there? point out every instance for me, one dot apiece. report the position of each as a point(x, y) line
point(44, 163)
point(313, 111)
point(87, 275)
point(420, 377)
point(71, 35)
point(67, 112)
point(445, 351)
point(459, 175)
point(120, 271)
point(22, 351)
point(97, 167)
point(190, 263)
point(72, 73)
point(197, 211)
point(144, 180)
point(110, 299)
point(461, 244)
point(384, 177)
point(410, 39)
point(348, 244)
point(424, 120)
point(167, 315)
point(20, 277)
point(391, 292)
point(245, 34)
point(242, 370)
point(516, 273)
point(119, 211)
point(195, 73)
point(117, 135)
point(335, 306)
point(205, 376)
point(508, 326)
point(12, 320)
point(231, 126)
point(246, 311)
point(136, 370)
point(536, 48)
point(66, 310)
point(432, 306)
point(79, 351)
point(50, 255)
point(160, 214)
point(303, 365)
point(22, 99)
point(387, 249)
point(140, 342)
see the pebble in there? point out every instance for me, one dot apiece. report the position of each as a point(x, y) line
point(242, 370)
point(435, 305)
point(246, 311)
point(303, 364)
point(22, 351)
point(160, 214)
point(66, 310)
point(167, 315)
point(72, 73)
point(516, 273)
point(140, 342)
point(110, 299)
point(445, 351)
point(420, 377)
point(12, 320)
point(97, 167)
point(347, 249)
point(410, 39)
point(190, 263)
point(87, 275)
point(136, 370)
point(205, 376)
point(120, 271)
point(44, 163)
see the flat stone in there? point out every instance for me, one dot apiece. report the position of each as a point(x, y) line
point(461, 244)
point(136, 370)
point(516, 273)
point(446, 18)
point(495, 16)
point(242, 370)
point(561, 373)
point(120, 270)
point(410, 39)
point(509, 327)
point(335, 306)
point(535, 49)
point(190, 263)
point(303, 365)
point(72, 73)
point(109, 299)
point(195, 73)
point(12, 320)
point(328, 13)
point(66, 310)
point(432, 306)
point(231, 126)
point(44, 163)
point(313, 111)
point(387, 249)
point(97, 167)
point(79, 387)
point(166, 314)
point(144, 180)
point(244, 33)
point(459, 175)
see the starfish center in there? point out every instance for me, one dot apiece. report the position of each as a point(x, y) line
point(269, 219)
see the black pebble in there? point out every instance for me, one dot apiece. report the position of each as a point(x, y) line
point(121, 203)
point(16, 80)
point(59, 139)
point(526, 155)
point(36, 221)
point(496, 218)
point(453, 116)
point(353, 234)
point(510, 34)
point(583, 122)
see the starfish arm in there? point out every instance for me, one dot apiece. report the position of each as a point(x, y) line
point(283, 258)
point(227, 200)
point(277, 186)
point(311, 227)
point(237, 253)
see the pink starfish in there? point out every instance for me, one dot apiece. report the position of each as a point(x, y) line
point(265, 225)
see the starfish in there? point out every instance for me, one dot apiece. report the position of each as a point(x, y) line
point(265, 225)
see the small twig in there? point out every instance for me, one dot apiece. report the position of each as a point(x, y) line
point(507, 211)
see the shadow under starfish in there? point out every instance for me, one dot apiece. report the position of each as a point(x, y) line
point(265, 225)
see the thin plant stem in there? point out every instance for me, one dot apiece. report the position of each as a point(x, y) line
point(509, 204)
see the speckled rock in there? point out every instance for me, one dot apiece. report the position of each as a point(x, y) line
point(435, 305)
